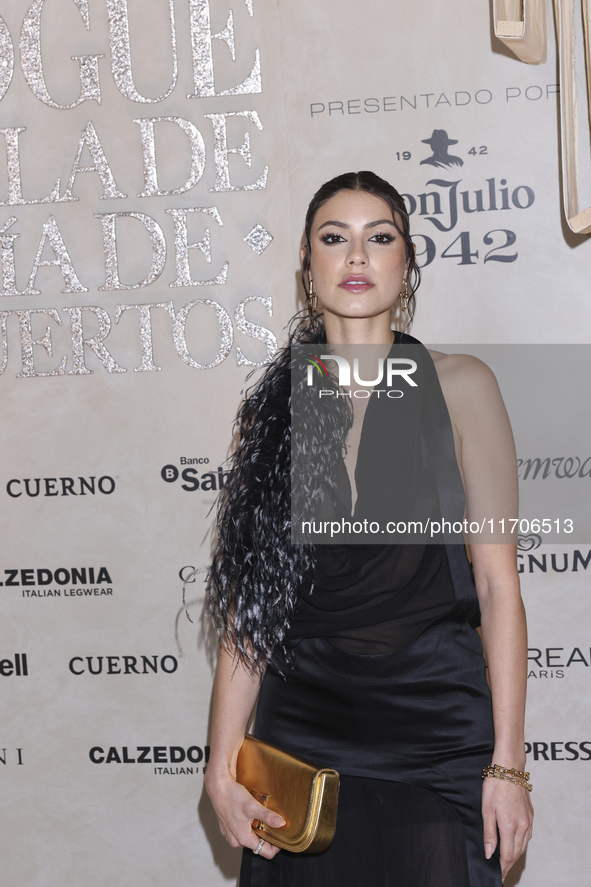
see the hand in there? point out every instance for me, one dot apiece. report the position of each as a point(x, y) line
point(508, 807)
point(236, 809)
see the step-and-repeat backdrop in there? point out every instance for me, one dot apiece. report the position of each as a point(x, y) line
point(156, 160)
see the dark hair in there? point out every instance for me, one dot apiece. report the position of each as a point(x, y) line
point(256, 574)
point(371, 184)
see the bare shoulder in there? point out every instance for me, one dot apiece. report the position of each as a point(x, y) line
point(472, 395)
point(465, 377)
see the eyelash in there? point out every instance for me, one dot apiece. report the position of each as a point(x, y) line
point(328, 238)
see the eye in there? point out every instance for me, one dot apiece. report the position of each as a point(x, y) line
point(331, 237)
point(382, 237)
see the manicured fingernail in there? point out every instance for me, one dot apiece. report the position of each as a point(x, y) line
point(278, 822)
point(488, 850)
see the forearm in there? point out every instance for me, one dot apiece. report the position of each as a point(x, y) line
point(504, 634)
point(506, 808)
point(234, 696)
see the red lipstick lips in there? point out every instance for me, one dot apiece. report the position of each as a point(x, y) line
point(356, 283)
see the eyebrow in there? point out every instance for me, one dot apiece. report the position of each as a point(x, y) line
point(369, 224)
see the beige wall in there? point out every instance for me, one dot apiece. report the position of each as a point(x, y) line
point(337, 91)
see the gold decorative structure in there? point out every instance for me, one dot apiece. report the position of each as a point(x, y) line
point(522, 25)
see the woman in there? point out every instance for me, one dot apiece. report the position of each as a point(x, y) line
point(365, 657)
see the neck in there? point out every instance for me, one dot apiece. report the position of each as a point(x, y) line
point(358, 330)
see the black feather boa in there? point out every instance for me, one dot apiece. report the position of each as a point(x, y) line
point(257, 572)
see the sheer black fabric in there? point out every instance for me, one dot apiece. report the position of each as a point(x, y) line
point(388, 835)
point(371, 599)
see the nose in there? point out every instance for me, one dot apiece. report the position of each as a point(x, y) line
point(357, 254)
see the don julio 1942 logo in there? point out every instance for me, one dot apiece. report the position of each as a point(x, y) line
point(444, 206)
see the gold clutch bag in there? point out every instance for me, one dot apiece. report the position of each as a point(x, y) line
point(304, 795)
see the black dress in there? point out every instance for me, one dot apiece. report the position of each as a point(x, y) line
point(386, 679)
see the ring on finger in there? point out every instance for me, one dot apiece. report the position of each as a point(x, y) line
point(259, 847)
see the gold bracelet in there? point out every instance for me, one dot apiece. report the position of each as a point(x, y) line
point(517, 777)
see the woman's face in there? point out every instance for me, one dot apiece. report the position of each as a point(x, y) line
point(358, 258)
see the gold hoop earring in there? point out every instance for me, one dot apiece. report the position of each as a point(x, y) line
point(404, 296)
point(313, 299)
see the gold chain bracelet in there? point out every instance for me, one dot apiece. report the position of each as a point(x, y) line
point(517, 777)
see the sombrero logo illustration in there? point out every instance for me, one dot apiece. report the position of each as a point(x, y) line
point(439, 144)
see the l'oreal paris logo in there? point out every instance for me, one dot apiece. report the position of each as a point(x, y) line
point(390, 368)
